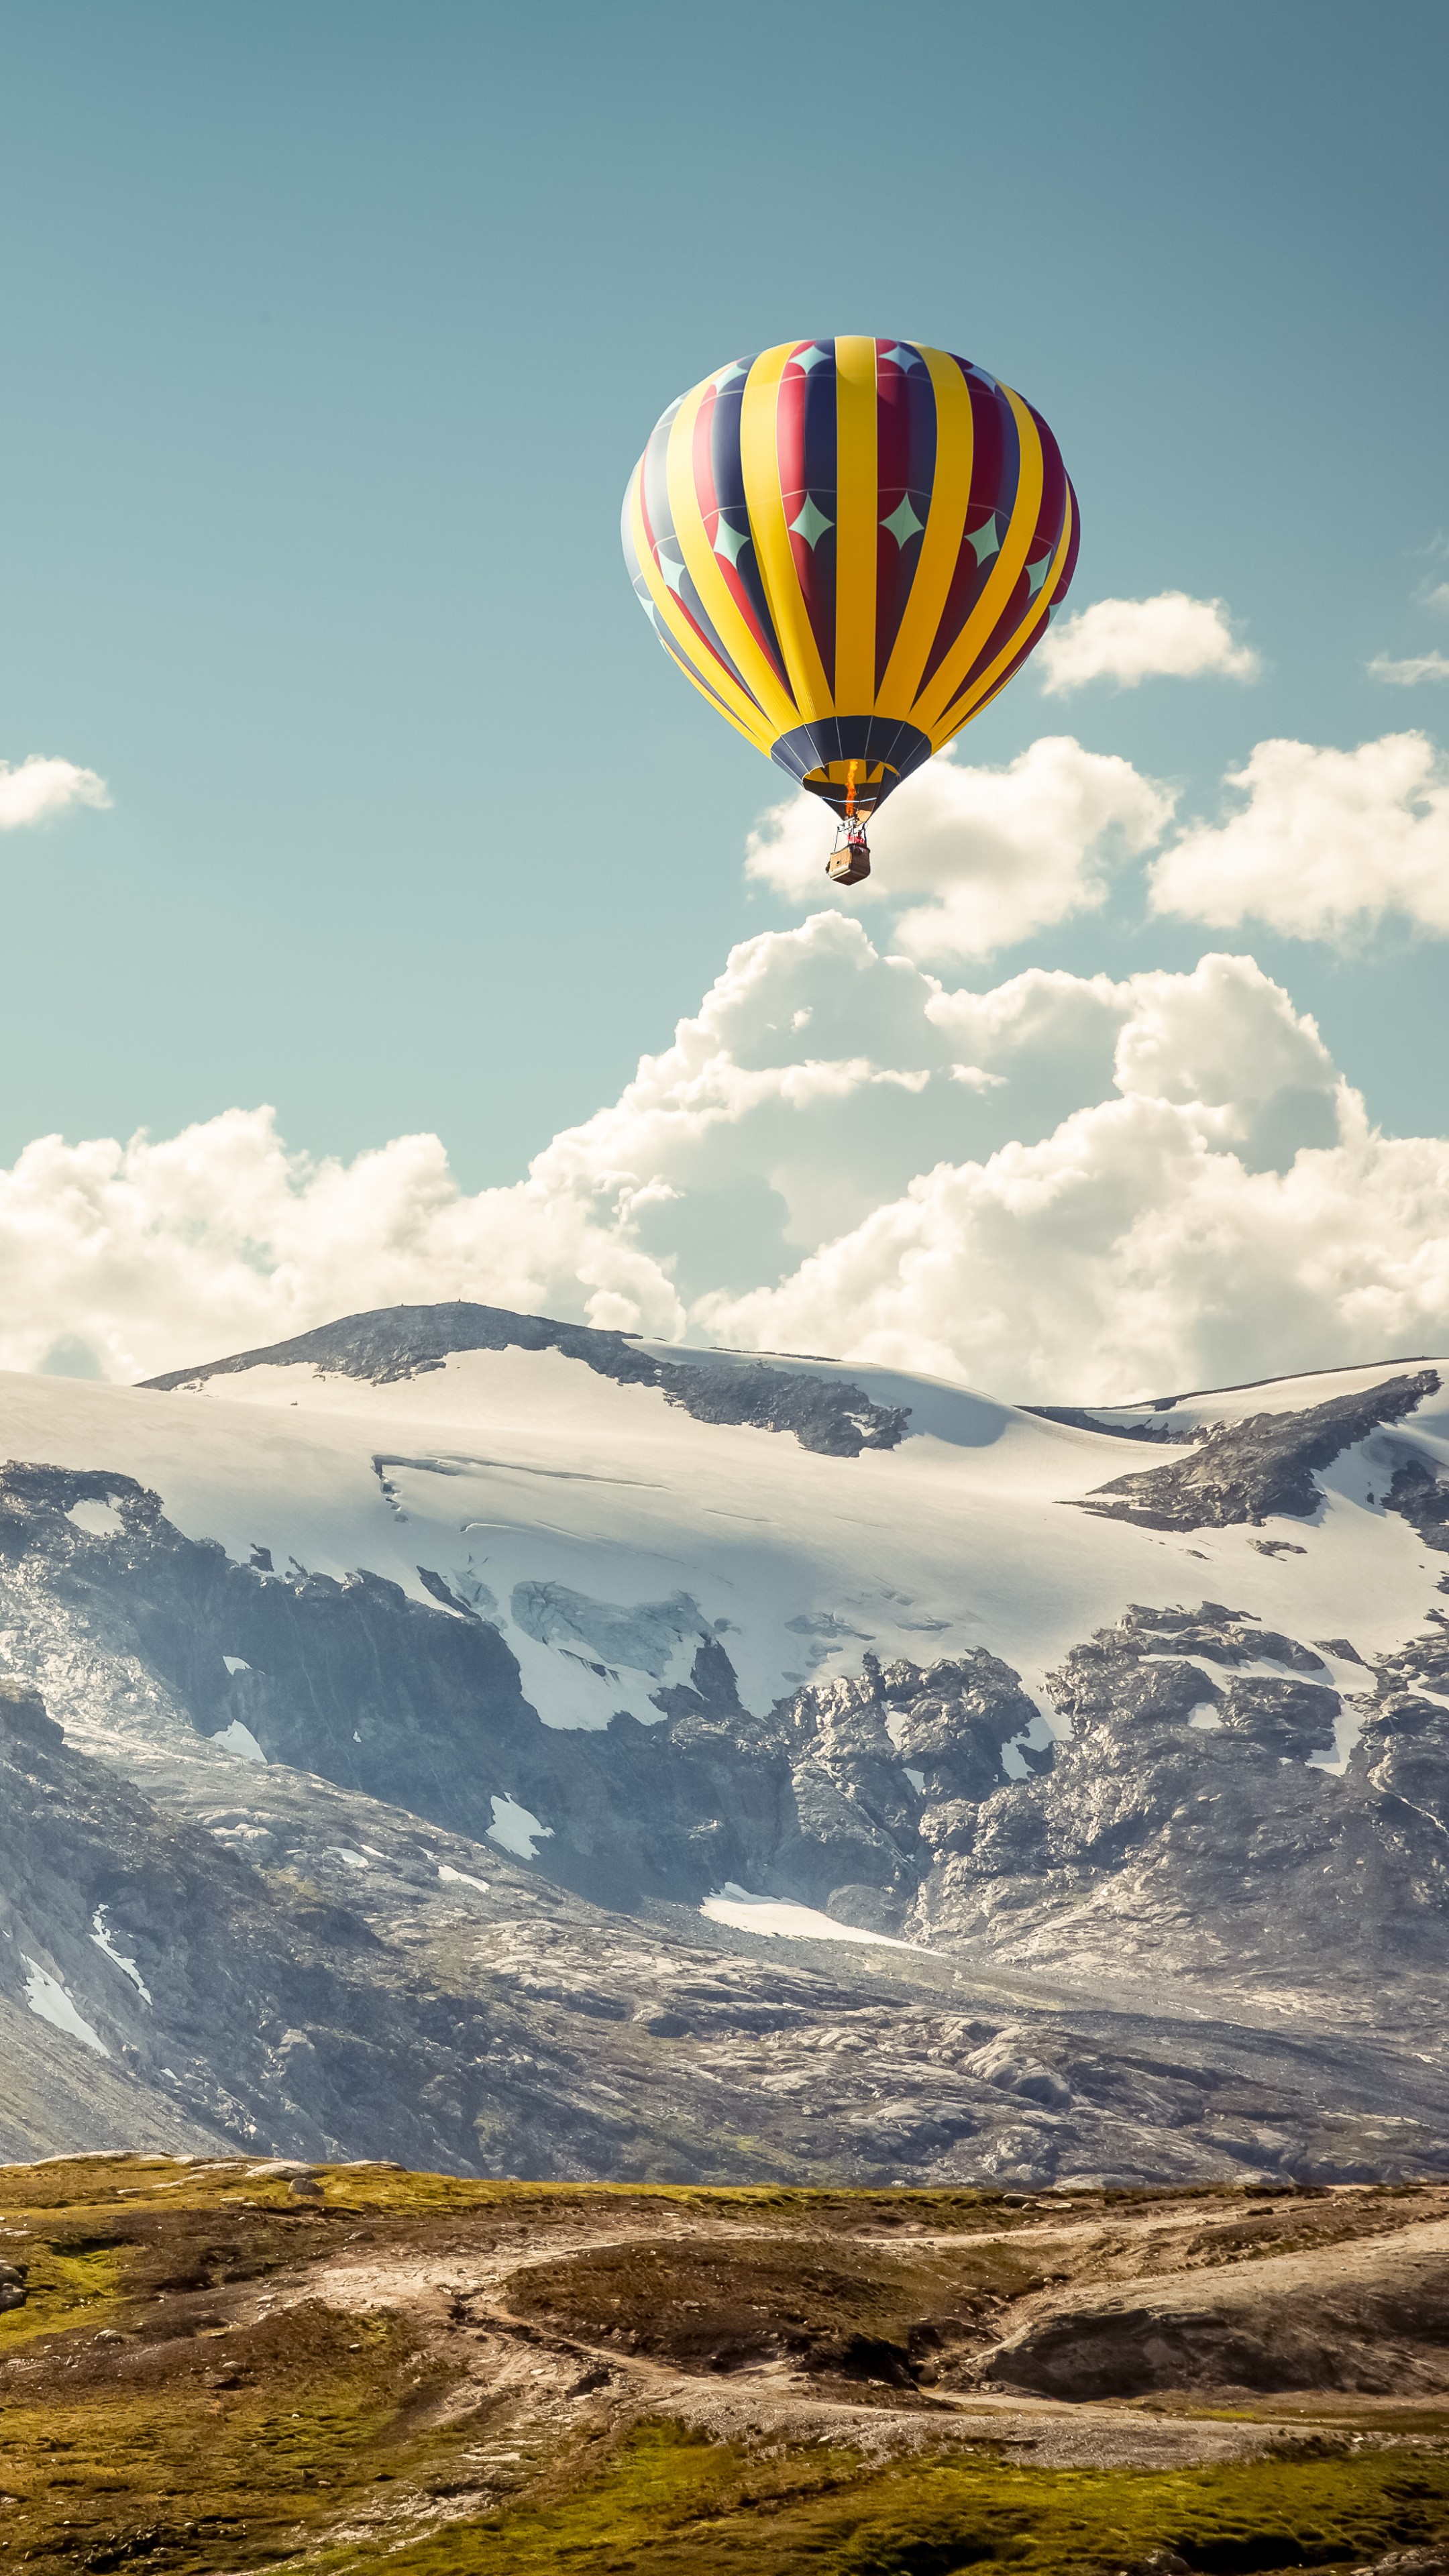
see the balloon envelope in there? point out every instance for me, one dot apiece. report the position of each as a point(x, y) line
point(849, 546)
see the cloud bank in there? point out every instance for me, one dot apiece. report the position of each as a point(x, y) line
point(1063, 1187)
point(40, 789)
point(1130, 640)
point(981, 857)
point(1317, 842)
point(1325, 844)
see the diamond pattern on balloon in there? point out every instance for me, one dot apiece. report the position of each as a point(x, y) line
point(811, 524)
point(903, 523)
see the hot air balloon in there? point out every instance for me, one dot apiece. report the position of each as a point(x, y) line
point(849, 546)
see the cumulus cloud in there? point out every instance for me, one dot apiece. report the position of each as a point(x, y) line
point(996, 853)
point(1132, 1252)
point(1064, 1187)
point(1417, 666)
point(39, 789)
point(1128, 640)
point(1325, 843)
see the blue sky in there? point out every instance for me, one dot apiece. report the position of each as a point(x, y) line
point(334, 330)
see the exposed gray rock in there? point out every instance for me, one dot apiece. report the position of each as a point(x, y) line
point(1183, 1822)
point(1201, 1844)
point(269, 2008)
point(407, 1703)
point(1188, 1825)
point(1266, 1464)
point(23, 1716)
point(826, 1413)
point(509, 2029)
point(381, 1989)
point(1221, 1635)
point(1422, 1498)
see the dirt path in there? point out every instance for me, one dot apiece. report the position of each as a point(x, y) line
point(542, 2369)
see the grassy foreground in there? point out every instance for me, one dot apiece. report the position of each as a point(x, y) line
point(213, 2372)
point(682, 2506)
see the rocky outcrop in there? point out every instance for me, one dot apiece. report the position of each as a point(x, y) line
point(825, 1413)
point(306, 1974)
point(265, 2007)
point(415, 1705)
point(418, 1920)
point(1265, 1465)
point(1203, 1820)
point(1372, 2319)
point(1197, 1803)
point(1422, 1499)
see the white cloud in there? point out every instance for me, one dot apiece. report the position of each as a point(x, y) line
point(1326, 844)
point(1418, 666)
point(1128, 640)
point(40, 789)
point(1133, 1251)
point(1436, 596)
point(998, 853)
point(1064, 1187)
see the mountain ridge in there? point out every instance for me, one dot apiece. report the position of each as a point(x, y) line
point(433, 1582)
point(387, 1343)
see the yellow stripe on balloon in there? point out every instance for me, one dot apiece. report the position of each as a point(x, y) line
point(991, 678)
point(760, 461)
point(856, 525)
point(941, 544)
point(751, 661)
point(698, 661)
point(1004, 576)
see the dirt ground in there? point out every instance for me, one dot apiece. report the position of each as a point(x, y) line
point(221, 2366)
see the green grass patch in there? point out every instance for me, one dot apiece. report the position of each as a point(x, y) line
point(69, 2288)
point(673, 2504)
point(225, 2474)
point(230, 2430)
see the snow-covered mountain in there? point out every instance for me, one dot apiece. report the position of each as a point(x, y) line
point(1148, 1702)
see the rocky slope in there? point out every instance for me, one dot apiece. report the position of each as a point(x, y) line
point(506, 1747)
point(205, 1982)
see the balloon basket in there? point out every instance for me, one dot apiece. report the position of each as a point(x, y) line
point(849, 861)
